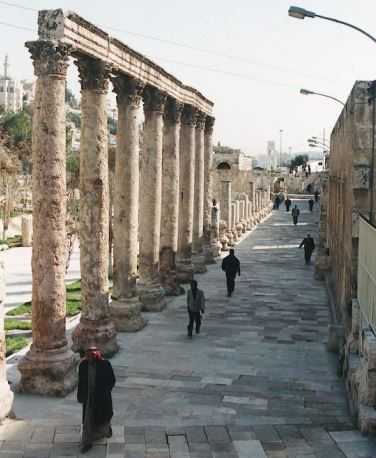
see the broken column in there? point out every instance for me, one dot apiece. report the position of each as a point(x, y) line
point(27, 230)
point(49, 367)
point(150, 288)
point(184, 264)
point(96, 326)
point(126, 306)
point(198, 258)
point(170, 196)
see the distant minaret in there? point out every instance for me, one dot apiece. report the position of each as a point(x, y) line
point(6, 65)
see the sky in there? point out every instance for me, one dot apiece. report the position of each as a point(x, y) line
point(270, 56)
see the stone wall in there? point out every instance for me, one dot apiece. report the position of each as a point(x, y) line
point(349, 193)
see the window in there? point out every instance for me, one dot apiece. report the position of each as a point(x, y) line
point(1, 89)
point(11, 90)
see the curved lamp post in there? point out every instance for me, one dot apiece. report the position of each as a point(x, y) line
point(308, 92)
point(301, 13)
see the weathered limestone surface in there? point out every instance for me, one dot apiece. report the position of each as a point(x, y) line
point(186, 183)
point(96, 326)
point(126, 307)
point(322, 258)
point(226, 204)
point(170, 196)
point(208, 195)
point(198, 258)
point(6, 396)
point(150, 289)
point(27, 230)
point(215, 244)
point(50, 366)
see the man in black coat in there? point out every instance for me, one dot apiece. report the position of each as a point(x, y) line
point(309, 246)
point(95, 382)
point(231, 266)
point(288, 204)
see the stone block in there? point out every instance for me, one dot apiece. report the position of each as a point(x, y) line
point(361, 177)
point(367, 419)
point(336, 333)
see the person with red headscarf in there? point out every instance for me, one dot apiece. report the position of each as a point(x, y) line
point(95, 382)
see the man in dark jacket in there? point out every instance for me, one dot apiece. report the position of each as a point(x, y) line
point(295, 214)
point(95, 382)
point(195, 306)
point(231, 266)
point(288, 204)
point(310, 204)
point(309, 246)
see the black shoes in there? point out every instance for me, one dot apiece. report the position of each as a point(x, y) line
point(85, 448)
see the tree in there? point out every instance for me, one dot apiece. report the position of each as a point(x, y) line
point(9, 172)
point(112, 125)
point(70, 98)
point(75, 118)
point(299, 160)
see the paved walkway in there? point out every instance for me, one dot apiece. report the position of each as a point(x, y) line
point(257, 382)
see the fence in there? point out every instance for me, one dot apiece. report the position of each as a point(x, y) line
point(367, 273)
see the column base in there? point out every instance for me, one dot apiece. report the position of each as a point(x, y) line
point(48, 372)
point(184, 271)
point(126, 314)
point(6, 399)
point(169, 282)
point(100, 333)
point(198, 260)
point(151, 297)
point(209, 252)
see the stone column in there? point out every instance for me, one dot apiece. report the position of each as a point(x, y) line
point(215, 245)
point(186, 183)
point(49, 367)
point(96, 326)
point(149, 286)
point(6, 396)
point(208, 162)
point(198, 258)
point(226, 203)
point(170, 196)
point(126, 306)
point(233, 221)
point(252, 198)
point(27, 230)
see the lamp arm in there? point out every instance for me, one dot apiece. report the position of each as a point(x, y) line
point(329, 97)
point(348, 25)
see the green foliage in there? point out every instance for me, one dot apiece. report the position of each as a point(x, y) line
point(17, 125)
point(75, 286)
point(12, 242)
point(73, 164)
point(112, 125)
point(299, 160)
point(70, 97)
point(14, 344)
point(16, 324)
point(75, 118)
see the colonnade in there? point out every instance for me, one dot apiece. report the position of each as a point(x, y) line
point(162, 209)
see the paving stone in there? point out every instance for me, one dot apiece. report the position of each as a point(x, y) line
point(69, 437)
point(195, 434)
point(248, 449)
point(43, 434)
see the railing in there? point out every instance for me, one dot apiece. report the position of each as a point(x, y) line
point(367, 272)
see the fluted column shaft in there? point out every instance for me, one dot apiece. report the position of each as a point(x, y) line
point(150, 289)
point(170, 196)
point(95, 327)
point(126, 307)
point(198, 258)
point(225, 201)
point(186, 184)
point(210, 250)
point(49, 366)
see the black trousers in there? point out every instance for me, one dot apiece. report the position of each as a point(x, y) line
point(230, 277)
point(307, 256)
point(287, 208)
point(194, 316)
point(295, 219)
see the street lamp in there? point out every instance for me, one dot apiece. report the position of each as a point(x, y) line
point(308, 92)
point(280, 147)
point(301, 13)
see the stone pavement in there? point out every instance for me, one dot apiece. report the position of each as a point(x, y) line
point(257, 382)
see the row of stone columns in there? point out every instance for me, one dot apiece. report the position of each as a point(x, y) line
point(243, 213)
point(162, 227)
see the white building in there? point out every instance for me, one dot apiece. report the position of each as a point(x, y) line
point(11, 91)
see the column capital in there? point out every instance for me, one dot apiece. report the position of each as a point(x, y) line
point(173, 110)
point(209, 122)
point(200, 123)
point(93, 74)
point(127, 89)
point(189, 115)
point(49, 58)
point(154, 99)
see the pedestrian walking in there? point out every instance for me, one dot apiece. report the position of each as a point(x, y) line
point(277, 202)
point(295, 214)
point(309, 246)
point(231, 265)
point(310, 204)
point(316, 195)
point(95, 382)
point(288, 204)
point(195, 306)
